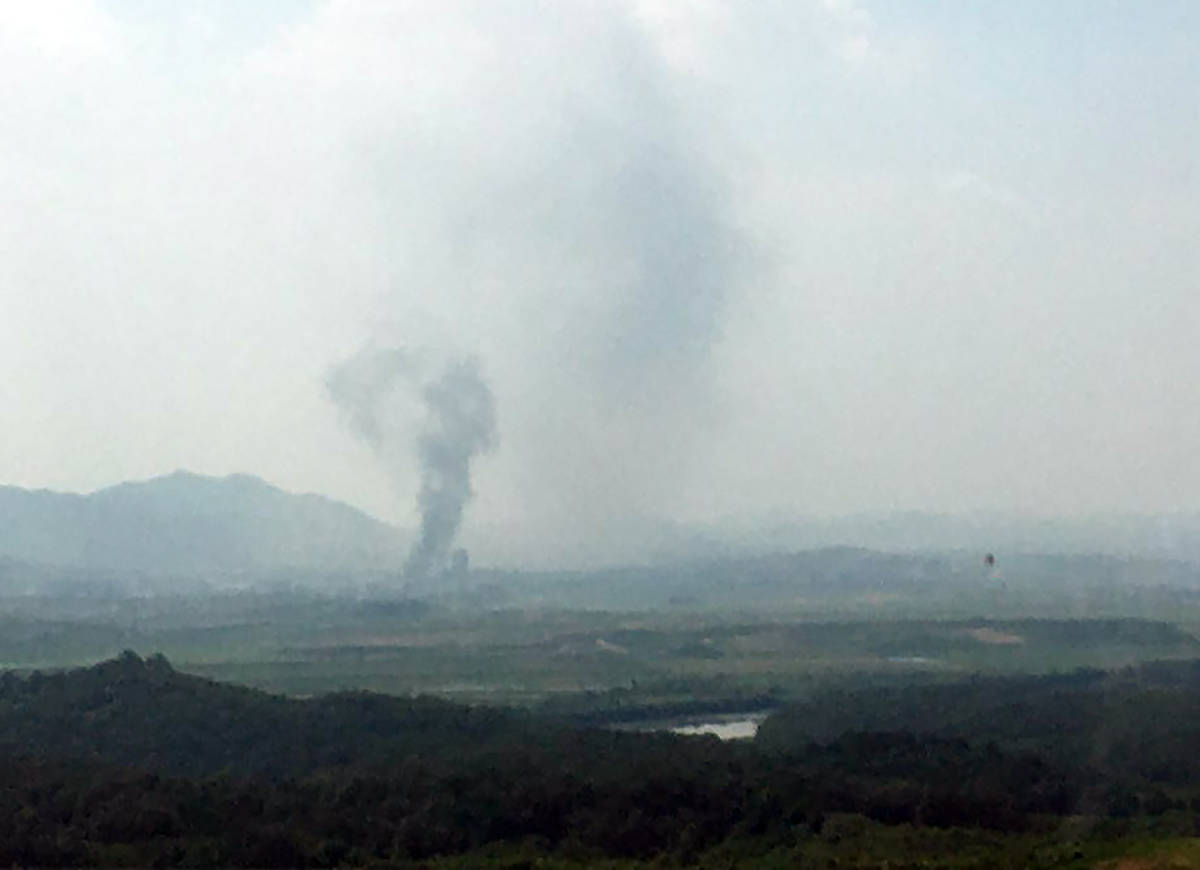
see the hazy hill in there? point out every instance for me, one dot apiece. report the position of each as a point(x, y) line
point(761, 580)
point(1169, 536)
point(143, 712)
point(858, 580)
point(189, 524)
point(650, 540)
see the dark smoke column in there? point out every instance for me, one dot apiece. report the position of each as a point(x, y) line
point(461, 424)
point(458, 423)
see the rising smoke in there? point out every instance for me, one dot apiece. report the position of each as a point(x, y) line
point(381, 391)
point(583, 207)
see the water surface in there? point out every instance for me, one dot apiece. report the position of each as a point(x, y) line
point(736, 726)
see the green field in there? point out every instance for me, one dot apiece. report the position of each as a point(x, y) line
point(306, 645)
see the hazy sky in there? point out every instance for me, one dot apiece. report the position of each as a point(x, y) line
point(713, 258)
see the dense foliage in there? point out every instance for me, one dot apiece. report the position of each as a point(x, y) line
point(133, 762)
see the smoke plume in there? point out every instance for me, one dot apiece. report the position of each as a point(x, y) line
point(388, 397)
point(461, 424)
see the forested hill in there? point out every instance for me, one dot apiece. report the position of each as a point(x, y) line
point(129, 762)
point(143, 712)
point(1139, 725)
point(190, 524)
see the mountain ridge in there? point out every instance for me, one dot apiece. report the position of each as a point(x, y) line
point(185, 523)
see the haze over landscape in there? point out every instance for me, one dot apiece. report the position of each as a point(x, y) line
point(716, 262)
point(240, 530)
point(600, 434)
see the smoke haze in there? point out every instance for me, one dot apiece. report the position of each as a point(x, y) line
point(379, 390)
point(461, 424)
point(720, 259)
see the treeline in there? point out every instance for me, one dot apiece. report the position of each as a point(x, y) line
point(1137, 728)
point(131, 762)
point(144, 713)
point(585, 798)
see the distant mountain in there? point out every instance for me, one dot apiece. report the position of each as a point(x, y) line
point(192, 525)
point(650, 540)
point(855, 580)
point(1173, 536)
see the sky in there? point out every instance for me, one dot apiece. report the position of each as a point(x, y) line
point(714, 259)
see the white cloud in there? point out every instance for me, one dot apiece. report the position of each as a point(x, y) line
point(66, 33)
point(853, 26)
point(687, 31)
point(971, 185)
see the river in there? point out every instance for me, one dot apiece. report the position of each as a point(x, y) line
point(726, 726)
